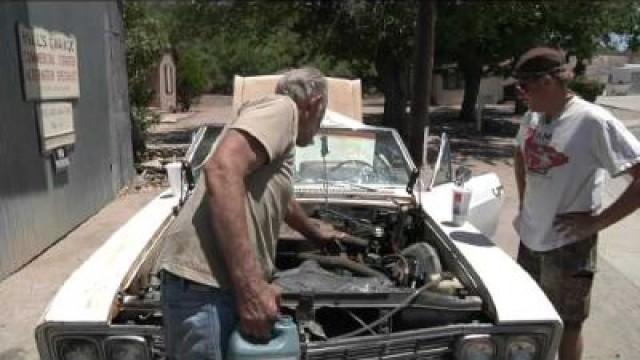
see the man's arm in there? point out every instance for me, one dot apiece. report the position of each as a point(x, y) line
point(579, 226)
point(298, 220)
point(237, 156)
point(518, 167)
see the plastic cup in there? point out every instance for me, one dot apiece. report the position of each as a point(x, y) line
point(460, 209)
point(174, 173)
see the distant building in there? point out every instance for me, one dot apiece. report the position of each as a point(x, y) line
point(448, 87)
point(618, 72)
point(625, 79)
point(600, 67)
point(163, 83)
point(65, 134)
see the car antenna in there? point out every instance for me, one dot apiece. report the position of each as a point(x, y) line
point(324, 150)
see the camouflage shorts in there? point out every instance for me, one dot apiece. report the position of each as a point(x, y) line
point(565, 275)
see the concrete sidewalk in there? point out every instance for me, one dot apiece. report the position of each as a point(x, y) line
point(26, 294)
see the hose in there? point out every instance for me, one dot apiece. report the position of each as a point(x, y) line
point(354, 240)
point(361, 322)
point(388, 315)
point(341, 262)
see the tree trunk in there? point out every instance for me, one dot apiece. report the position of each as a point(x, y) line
point(392, 71)
point(425, 42)
point(520, 107)
point(580, 68)
point(472, 71)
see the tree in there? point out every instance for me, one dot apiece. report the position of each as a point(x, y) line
point(371, 40)
point(377, 35)
point(495, 31)
point(479, 35)
point(145, 40)
point(376, 40)
point(191, 79)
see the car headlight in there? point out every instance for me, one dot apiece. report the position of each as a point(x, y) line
point(522, 348)
point(78, 349)
point(476, 347)
point(126, 348)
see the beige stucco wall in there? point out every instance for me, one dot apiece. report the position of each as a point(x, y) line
point(164, 84)
point(491, 91)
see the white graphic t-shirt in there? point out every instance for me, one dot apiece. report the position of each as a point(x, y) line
point(565, 159)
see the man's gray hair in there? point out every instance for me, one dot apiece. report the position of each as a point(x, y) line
point(300, 84)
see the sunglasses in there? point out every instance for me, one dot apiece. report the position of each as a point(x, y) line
point(525, 84)
point(526, 80)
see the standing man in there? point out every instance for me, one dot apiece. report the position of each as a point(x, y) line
point(219, 254)
point(564, 146)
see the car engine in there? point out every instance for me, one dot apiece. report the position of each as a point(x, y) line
point(386, 275)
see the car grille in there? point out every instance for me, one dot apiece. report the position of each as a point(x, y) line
point(396, 349)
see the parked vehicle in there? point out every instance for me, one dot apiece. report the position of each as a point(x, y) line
point(407, 283)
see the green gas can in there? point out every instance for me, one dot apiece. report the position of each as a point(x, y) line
point(284, 345)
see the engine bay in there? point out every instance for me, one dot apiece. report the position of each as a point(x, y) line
point(388, 274)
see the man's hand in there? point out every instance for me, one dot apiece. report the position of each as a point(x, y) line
point(320, 233)
point(330, 241)
point(330, 235)
point(258, 309)
point(576, 226)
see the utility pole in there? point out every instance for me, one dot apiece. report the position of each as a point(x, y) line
point(425, 45)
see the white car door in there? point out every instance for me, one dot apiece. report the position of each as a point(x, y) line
point(486, 189)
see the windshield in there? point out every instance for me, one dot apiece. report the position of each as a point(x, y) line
point(352, 156)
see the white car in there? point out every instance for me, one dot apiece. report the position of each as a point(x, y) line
point(409, 284)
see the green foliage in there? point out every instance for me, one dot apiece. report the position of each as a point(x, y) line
point(145, 41)
point(191, 76)
point(372, 40)
point(259, 37)
point(480, 35)
point(587, 89)
point(499, 30)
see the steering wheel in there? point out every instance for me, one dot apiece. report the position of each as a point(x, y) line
point(365, 173)
point(345, 162)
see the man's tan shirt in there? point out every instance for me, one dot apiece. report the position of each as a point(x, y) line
point(191, 248)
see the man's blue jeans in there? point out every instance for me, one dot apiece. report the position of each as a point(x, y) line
point(198, 319)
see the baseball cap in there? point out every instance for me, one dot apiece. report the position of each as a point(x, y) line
point(539, 61)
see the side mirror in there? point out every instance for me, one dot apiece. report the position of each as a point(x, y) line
point(462, 175)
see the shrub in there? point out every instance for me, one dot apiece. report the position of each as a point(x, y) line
point(191, 77)
point(587, 89)
point(145, 41)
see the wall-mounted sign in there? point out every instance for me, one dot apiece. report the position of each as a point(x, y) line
point(56, 125)
point(49, 64)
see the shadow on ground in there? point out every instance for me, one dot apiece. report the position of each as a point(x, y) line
point(13, 354)
point(493, 145)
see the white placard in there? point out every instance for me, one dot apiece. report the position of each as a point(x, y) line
point(56, 124)
point(49, 64)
